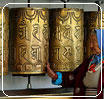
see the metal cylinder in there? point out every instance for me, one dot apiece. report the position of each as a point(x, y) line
point(5, 40)
point(92, 20)
point(29, 40)
point(66, 39)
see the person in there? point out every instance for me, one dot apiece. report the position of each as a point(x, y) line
point(87, 74)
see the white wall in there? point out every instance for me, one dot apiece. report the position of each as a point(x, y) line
point(11, 82)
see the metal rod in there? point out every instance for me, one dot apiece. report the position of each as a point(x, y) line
point(28, 2)
point(65, 1)
point(29, 86)
point(64, 4)
point(99, 3)
point(28, 78)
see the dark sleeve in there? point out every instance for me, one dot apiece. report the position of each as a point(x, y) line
point(79, 88)
point(100, 96)
point(68, 78)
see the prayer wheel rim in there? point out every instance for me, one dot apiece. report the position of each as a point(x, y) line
point(28, 8)
point(67, 9)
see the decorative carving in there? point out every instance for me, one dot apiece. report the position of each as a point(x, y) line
point(57, 32)
point(36, 13)
point(30, 16)
point(35, 52)
point(55, 53)
point(69, 14)
point(78, 48)
point(45, 31)
point(63, 17)
point(23, 34)
point(43, 16)
point(67, 32)
point(68, 52)
point(77, 18)
point(21, 52)
point(77, 32)
point(36, 31)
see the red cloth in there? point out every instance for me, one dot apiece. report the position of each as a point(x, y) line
point(78, 74)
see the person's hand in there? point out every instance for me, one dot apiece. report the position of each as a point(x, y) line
point(50, 72)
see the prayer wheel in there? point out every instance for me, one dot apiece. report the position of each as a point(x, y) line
point(92, 20)
point(29, 40)
point(66, 39)
point(5, 40)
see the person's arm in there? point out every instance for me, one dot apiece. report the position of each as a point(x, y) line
point(65, 79)
point(56, 77)
point(50, 72)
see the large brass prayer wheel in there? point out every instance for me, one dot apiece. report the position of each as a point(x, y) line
point(29, 40)
point(66, 39)
point(5, 40)
point(92, 20)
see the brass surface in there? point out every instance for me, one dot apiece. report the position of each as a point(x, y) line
point(66, 39)
point(92, 20)
point(5, 40)
point(29, 40)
